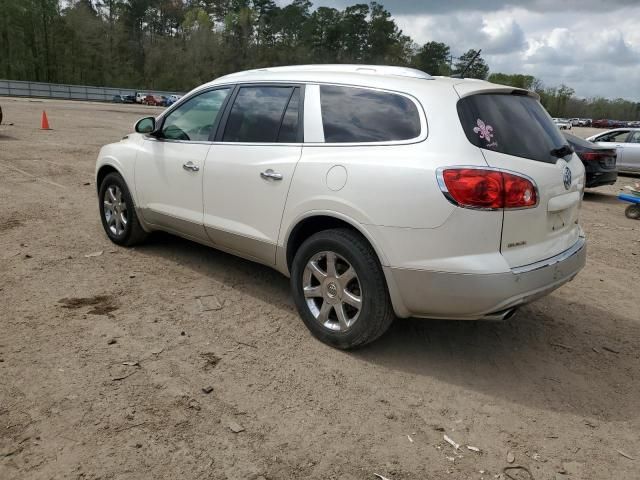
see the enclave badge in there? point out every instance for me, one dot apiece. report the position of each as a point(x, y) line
point(566, 178)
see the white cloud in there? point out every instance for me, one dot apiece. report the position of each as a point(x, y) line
point(595, 52)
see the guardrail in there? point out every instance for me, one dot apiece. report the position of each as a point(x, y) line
point(19, 88)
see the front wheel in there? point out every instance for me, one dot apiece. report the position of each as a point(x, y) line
point(340, 290)
point(118, 213)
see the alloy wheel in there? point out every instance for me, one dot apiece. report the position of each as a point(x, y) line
point(115, 210)
point(332, 291)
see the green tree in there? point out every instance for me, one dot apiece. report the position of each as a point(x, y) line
point(478, 69)
point(433, 58)
point(528, 82)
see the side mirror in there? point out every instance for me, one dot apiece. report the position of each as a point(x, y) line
point(145, 125)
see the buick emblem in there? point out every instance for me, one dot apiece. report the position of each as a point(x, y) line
point(566, 178)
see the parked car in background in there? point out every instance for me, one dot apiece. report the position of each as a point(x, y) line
point(171, 99)
point(626, 141)
point(154, 100)
point(123, 99)
point(575, 122)
point(140, 96)
point(584, 122)
point(634, 124)
point(348, 198)
point(599, 161)
point(562, 123)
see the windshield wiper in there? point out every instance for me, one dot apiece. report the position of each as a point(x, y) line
point(563, 151)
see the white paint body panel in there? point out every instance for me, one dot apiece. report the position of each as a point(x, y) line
point(238, 201)
point(165, 189)
point(546, 228)
point(388, 192)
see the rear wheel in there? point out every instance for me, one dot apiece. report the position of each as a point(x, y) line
point(633, 212)
point(118, 213)
point(339, 289)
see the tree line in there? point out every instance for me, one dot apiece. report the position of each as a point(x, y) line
point(178, 44)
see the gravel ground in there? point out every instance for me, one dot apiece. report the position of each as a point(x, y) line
point(105, 351)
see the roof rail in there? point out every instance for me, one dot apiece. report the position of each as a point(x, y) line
point(348, 68)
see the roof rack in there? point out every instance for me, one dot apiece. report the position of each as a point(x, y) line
point(348, 68)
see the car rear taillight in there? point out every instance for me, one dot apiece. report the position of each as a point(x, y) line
point(487, 189)
point(596, 156)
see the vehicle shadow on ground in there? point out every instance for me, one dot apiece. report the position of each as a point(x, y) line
point(554, 354)
point(544, 357)
point(250, 278)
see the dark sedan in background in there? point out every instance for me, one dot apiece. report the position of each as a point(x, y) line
point(599, 161)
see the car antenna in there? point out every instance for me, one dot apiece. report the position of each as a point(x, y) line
point(461, 74)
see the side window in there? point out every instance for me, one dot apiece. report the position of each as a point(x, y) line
point(614, 136)
point(289, 128)
point(360, 115)
point(194, 119)
point(634, 137)
point(256, 114)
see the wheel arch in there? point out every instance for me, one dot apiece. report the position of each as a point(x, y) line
point(105, 170)
point(317, 221)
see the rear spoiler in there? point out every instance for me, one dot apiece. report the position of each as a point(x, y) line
point(467, 88)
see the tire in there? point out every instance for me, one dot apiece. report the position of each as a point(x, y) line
point(124, 229)
point(633, 212)
point(323, 300)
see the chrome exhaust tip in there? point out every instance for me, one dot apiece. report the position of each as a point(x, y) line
point(502, 315)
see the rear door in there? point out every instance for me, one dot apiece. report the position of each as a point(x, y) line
point(631, 160)
point(515, 133)
point(249, 169)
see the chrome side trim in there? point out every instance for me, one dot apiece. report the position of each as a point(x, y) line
point(574, 250)
point(245, 246)
point(171, 224)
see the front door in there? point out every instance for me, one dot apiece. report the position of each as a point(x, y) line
point(169, 165)
point(249, 168)
point(615, 139)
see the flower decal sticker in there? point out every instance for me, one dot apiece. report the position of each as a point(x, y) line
point(485, 131)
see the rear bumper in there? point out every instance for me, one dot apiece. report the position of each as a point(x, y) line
point(471, 296)
point(597, 177)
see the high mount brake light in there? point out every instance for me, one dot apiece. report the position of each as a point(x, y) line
point(487, 189)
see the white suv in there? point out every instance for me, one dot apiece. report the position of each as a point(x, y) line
point(381, 191)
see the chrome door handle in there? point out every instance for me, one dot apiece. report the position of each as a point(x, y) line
point(190, 166)
point(271, 175)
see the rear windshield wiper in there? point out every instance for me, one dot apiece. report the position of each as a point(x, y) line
point(563, 151)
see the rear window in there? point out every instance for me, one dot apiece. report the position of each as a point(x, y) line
point(354, 115)
point(513, 124)
point(257, 113)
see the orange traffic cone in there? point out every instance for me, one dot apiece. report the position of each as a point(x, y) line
point(44, 124)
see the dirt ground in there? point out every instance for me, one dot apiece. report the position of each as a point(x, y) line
point(104, 356)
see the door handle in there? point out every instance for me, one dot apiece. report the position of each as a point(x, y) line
point(190, 166)
point(271, 175)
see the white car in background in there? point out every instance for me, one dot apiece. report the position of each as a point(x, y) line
point(562, 123)
point(626, 141)
point(171, 99)
point(381, 192)
point(140, 97)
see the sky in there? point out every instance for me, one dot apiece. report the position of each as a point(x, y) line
point(592, 46)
